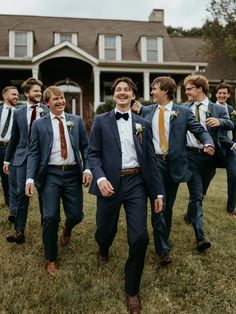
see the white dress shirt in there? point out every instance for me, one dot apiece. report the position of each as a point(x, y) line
point(5, 111)
point(29, 113)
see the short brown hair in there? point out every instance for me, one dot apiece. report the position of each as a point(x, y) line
point(223, 85)
point(128, 81)
point(166, 84)
point(7, 88)
point(198, 81)
point(51, 90)
point(29, 83)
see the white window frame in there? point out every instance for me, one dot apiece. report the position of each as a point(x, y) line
point(142, 47)
point(101, 48)
point(74, 38)
point(12, 43)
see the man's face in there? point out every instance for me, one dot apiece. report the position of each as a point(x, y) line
point(222, 95)
point(34, 95)
point(192, 92)
point(57, 103)
point(123, 95)
point(159, 96)
point(11, 97)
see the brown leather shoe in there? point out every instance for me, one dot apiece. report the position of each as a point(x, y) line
point(102, 260)
point(52, 268)
point(203, 245)
point(165, 258)
point(232, 214)
point(187, 220)
point(134, 305)
point(17, 237)
point(65, 237)
point(11, 219)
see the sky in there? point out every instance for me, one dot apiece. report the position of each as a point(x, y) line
point(177, 13)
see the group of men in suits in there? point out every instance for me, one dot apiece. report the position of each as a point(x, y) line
point(132, 157)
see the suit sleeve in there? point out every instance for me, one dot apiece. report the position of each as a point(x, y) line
point(83, 147)
point(34, 154)
point(225, 122)
point(14, 140)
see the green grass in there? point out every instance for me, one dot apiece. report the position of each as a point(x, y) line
point(193, 283)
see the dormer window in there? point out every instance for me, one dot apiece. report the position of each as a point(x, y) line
point(20, 44)
point(110, 47)
point(151, 49)
point(70, 37)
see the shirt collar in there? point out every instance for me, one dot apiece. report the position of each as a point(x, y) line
point(52, 116)
point(129, 112)
point(168, 106)
point(7, 106)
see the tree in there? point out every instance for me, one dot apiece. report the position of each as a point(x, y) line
point(220, 30)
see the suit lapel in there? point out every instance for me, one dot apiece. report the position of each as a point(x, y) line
point(113, 126)
point(70, 132)
point(174, 108)
point(135, 137)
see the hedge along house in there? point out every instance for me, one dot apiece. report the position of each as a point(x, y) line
point(84, 56)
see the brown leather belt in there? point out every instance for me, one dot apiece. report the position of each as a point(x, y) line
point(130, 172)
point(63, 167)
point(162, 156)
point(194, 149)
point(2, 143)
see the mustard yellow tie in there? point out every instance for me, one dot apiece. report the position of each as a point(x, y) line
point(197, 112)
point(162, 133)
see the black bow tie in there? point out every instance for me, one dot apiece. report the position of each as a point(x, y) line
point(122, 115)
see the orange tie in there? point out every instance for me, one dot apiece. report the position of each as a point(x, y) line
point(64, 153)
point(162, 133)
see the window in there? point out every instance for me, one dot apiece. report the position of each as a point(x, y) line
point(60, 37)
point(151, 49)
point(110, 47)
point(20, 44)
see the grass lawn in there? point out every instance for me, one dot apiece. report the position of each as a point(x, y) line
point(193, 283)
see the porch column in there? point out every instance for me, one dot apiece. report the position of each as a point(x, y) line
point(35, 71)
point(178, 93)
point(96, 73)
point(146, 86)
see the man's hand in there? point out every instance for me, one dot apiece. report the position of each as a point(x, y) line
point(209, 150)
point(106, 188)
point(86, 179)
point(136, 106)
point(29, 189)
point(158, 205)
point(212, 122)
point(6, 168)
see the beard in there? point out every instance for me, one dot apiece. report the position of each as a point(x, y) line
point(34, 99)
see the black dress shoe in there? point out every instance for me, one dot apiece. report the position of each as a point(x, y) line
point(203, 245)
point(165, 258)
point(17, 237)
point(102, 259)
point(11, 219)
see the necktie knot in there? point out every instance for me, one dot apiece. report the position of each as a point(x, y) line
point(119, 115)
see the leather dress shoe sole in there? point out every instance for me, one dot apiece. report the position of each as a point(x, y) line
point(102, 260)
point(203, 245)
point(65, 237)
point(16, 237)
point(134, 305)
point(165, 259)
point(52, 268)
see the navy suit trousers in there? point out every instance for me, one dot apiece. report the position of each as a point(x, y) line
point(4, 177)
point(132, 194)
point(230, 164)
point(203, 169)
point(65, 185)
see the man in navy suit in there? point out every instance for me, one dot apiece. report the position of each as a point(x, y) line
point(213, 118)
point(10, 97)
point(172, 163)
point(222, 94)
point(58, 171)
point(122, 160)
point(18, 148)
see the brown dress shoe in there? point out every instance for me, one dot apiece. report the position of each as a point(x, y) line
point(203, 245)
point(133, 304)
point(65, 237)
point(187, 220)
point(52, 268)
point(11, 219)
point(232, 214)
point(102, 260)
point(165, 258)
point(17, 237)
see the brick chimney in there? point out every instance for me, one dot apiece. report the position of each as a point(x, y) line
point(157, 15)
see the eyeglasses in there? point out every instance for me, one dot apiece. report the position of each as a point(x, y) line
point(190, 88)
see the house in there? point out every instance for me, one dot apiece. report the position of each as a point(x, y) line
point(84, 56)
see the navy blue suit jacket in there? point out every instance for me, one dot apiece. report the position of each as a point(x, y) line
point(19, 141)
point(179, 125)
point(105, 156)
point(41, 145)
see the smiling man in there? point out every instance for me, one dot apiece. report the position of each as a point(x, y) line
point(122, 160)
point(17, 150)
point(55, 165)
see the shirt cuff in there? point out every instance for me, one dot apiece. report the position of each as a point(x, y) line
point(29, 181)
point(87, 171)
point(100, 180)
point(6, 162)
